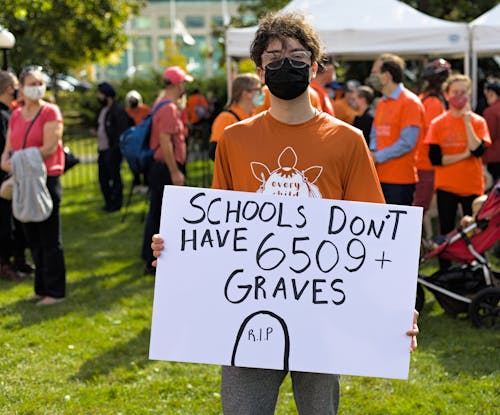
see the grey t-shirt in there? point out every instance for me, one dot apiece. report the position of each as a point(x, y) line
point(102, 138)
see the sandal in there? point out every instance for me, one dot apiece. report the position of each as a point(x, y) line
point(49, 301)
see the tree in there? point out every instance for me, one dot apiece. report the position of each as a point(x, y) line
point(457, 10)
point(258, 8)
point(64, 34)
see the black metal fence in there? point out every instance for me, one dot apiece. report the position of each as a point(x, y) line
point(84, 174)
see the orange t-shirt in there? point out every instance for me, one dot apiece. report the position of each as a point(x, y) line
point(325, 101)
point(391, 116)
point(192, 102)
point(432, 108)
point(139, 113)
point(313, 96)
point(323, 157)
point(224, 119)
point(464, 178)
point(343, 111)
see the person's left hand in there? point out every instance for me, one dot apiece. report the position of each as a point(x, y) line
point(414, 331)
point(157, 247)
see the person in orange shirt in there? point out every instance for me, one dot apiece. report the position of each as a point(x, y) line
point(246, 95)
point(197, 107)
point(135, 108)
point(396, 129)
point(343, 106)
point(324, 75)
point(291, 150)
point(313, 96)
point(434, 74)
point(457, 139)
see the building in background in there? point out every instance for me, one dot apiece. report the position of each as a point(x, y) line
point(193, 26)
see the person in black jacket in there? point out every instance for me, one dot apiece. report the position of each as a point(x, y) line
point(12, 239)
point(111, 123)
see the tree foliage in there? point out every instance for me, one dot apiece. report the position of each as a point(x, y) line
point(457, 10)
point(64, 34)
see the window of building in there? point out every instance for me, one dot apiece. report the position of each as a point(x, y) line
point(164, 22)
point(143, 53)
point(217, 21)
point(195, 21)
point(141, 22)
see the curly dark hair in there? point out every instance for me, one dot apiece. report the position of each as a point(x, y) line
point(285, 25)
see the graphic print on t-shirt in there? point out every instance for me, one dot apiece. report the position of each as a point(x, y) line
point(286, 180)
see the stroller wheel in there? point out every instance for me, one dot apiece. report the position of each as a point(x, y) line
point(484, 310)
point(420, 300)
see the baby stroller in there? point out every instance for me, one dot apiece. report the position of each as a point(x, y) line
point(470, 285)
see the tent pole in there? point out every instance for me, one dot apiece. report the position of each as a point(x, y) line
point(229, 80)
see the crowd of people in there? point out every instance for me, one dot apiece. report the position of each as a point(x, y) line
point(406, 150)
point(427, 149)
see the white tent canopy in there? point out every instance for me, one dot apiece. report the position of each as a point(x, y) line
point(366, 28)
point(485, 33)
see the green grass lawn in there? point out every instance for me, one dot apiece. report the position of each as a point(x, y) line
point(89, 354)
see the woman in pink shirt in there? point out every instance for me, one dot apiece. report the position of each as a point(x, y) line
point(39, 123)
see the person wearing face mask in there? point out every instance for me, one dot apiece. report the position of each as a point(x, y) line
point(137, 110)
point(39, 124)
point(111, 123)
point(12, 239)
point(246, 95)
point(288, 139)
point(434, 74)
point(396, 129)
point(325, 74)
point(135, 107)
point(168, 139)
point(457, 139)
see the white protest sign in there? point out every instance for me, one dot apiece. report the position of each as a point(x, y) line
point(301, 284)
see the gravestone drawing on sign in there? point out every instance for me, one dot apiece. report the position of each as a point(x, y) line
point(263, 336)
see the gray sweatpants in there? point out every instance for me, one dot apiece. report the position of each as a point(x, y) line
point(246, 391)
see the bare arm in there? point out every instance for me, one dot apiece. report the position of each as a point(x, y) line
point(52, 133)
point(167, 148)
point(6, 163)
point(455, 158)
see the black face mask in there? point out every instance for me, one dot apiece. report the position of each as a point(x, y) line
point(103, 101)
point(16, 94)
point(287, 82)
point(133, 103)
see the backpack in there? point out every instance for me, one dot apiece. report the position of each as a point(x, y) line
point(202, 112)
point(134, 143)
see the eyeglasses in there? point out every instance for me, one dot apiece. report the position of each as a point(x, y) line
point(298, 59)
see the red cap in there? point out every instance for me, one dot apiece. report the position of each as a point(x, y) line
point(175, 74)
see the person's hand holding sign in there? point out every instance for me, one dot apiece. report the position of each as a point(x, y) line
point(157, 247)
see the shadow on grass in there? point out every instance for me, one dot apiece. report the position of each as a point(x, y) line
point(133, 352)
point(456, 343)
point(87, 297)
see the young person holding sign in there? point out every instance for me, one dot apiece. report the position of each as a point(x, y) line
point(290, 150)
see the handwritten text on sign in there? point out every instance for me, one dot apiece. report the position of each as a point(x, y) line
point(285, 283)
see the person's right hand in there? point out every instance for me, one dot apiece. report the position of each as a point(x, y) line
point(157, 247)
point(178, 178)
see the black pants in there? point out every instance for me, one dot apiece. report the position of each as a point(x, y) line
point(159, 177)
point(494, 170)
point(110, 179)
point(447, 204)
point(12, 239)
point(45, 241)
point(398, 194)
